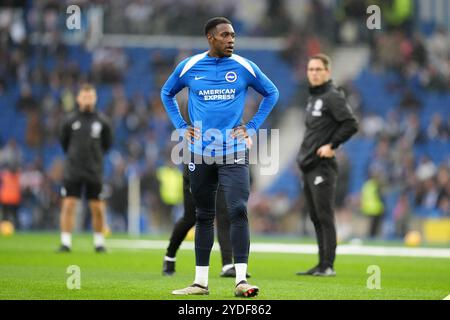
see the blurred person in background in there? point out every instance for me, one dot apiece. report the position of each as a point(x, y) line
point(170, 190)
point(10, 193)
point(372, 204)
point(85, 138)
point(330, 122)
point(118, 198)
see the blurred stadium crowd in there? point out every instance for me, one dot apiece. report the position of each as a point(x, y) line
point(402, 99)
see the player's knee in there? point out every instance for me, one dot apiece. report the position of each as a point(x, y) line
point(189, 220)
point(238, 212)
point(96, 207)
point(205, 217)
point(326, 221)
point(69, 205)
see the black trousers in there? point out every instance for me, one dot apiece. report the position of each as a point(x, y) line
point(375, 224)
point(320, 190)
point(234, 179)
point(186, 222)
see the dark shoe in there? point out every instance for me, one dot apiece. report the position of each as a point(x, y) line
point(231, 273)
point(310, 272)
point(100, 249)
point(63, 249)
point(325, 272)
point(168, 268)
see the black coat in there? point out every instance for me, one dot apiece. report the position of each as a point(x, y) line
point(329, 119)
point(85, 138)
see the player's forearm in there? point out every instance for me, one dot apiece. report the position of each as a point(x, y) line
point(171, 106)
point(345, 131)
point(266, 106)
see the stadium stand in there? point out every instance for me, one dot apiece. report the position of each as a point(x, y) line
point(403, 104)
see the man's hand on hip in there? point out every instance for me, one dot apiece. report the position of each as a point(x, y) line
point(326, 151)
point(191, 134)
point(239, 133)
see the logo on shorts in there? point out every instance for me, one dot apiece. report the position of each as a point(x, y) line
point(231, 76)
point(191, 166)
point(318, 180)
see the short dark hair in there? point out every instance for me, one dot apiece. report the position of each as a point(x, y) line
point(322, 57)
point(214, 22)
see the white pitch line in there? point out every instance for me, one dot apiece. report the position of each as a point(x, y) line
point(295, 248)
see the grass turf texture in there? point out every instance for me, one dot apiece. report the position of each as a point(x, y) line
point(30, 269)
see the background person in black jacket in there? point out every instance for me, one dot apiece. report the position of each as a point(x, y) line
point(85, 138)
point(329, 123)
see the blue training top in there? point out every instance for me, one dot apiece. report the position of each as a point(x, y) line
point(217, 91)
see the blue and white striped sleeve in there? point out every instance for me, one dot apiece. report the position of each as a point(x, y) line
point(264, 86)
point(173, 85)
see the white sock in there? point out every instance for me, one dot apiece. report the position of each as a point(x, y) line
point(99, 239)
point(201, 275)
point(227, 267)
point(66, 239)
point(241, 272)
point(166, 258)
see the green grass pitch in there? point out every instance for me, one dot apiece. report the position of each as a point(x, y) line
point(30, 269)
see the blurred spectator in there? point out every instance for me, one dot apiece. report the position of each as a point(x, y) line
point(108, 65)
point(392, 128)
point(372, 125)
point(398, 14)
point(34, 131)
point(427, 191)
point(427, 196)
point(118, 198)
point(32, 181)
point(170, 189)
point(351, 16)
point(138, 14)
point(27, 102)
point(409, 102)
point(10, 194)
point(161, 65)
point(426, 169)
point(437, 129)
point(276, 19)
point(439, 47)
point(402, 216)
point(381, 160)
point(443, 186)
point(10, 154)
point(372, 204)
point(412, 131)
